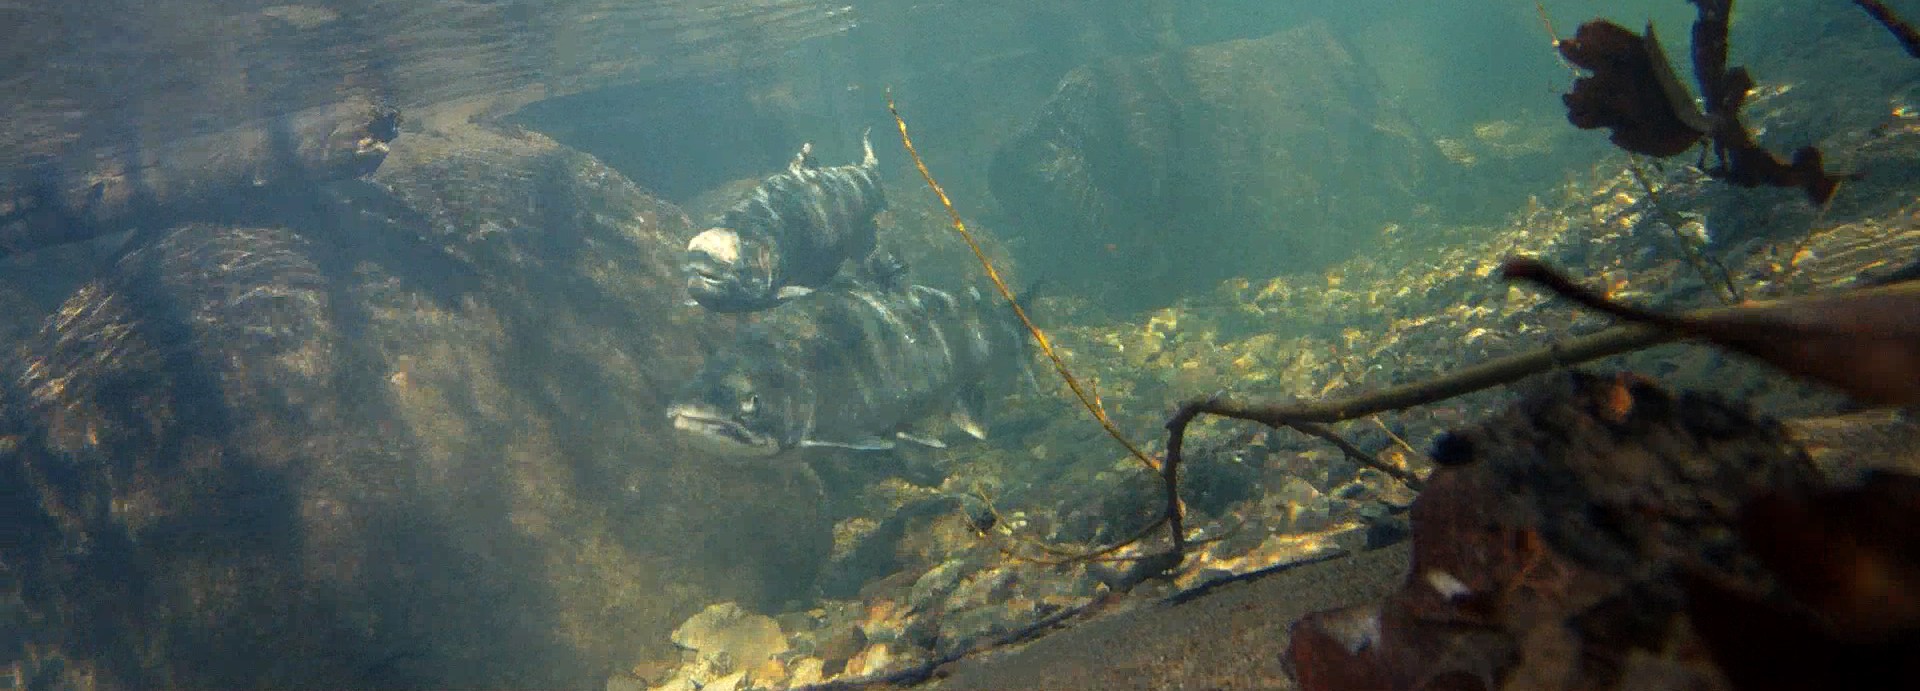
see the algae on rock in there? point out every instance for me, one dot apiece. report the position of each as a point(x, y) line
point(411, 438)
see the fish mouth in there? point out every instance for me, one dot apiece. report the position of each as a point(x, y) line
point(722, 292)
point(709, 280)
point(718, 433)
point(705, 273)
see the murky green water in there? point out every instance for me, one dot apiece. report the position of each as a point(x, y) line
point(342, 336)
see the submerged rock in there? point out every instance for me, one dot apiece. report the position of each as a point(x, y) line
point(81, 196)
point(411, 438)
point(1253, 157)
point(749, 639)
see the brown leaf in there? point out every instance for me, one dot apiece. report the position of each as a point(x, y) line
point(1335, 650)
point(1851, 554)
point(1760, 644)
point(1632, 91)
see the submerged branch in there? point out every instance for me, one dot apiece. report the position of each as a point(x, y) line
point(1357, 455)
point(1080, 391)
point(1863, 342)
point(1309, 418)
point(1902, 31)
point(1711, 270)
point(1507, 370)
point(1175, 514)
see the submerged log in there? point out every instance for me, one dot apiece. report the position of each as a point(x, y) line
point(85, 195)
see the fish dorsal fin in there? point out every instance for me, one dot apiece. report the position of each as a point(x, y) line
point(966, 412)
point(804, 160)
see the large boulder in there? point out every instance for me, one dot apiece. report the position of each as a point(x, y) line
point(1180, 169)
point(414, 437)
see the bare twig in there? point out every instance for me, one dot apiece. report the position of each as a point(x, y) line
point(1357, 455)
point(1653, 329)
point(1087, 399)
point(1902, 31)
point(1711, 270)
point(1174, 515)
point(1505, 370)
point(1412, 452)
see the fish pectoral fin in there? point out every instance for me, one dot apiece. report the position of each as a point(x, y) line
point(884, 269)
point(861, 444)
point(966, 413)
point(790, 292)
point(928, 442)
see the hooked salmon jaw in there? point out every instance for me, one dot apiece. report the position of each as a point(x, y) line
point(713, 268)
point(718, 433)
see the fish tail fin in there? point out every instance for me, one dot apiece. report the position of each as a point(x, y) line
point(866, 141)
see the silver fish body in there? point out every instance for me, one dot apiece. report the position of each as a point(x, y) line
point(789, 236)
point(856, 367)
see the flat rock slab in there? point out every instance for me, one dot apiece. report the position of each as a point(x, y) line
point(1233, 638)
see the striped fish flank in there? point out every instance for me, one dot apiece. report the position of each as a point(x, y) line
point(854, 366)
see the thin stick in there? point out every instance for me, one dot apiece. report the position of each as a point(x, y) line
point(1653, 329)
point(1613, 341)
point(1902, 31)
point(1064, 556)
point(1395, 437)
point(1174, 515)
point(1712, 272)
point(1555, 40)
point(1356, 454)
point(1304, 417)
point(1529, 269)
point(1091, 403)
point(1548, 23)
